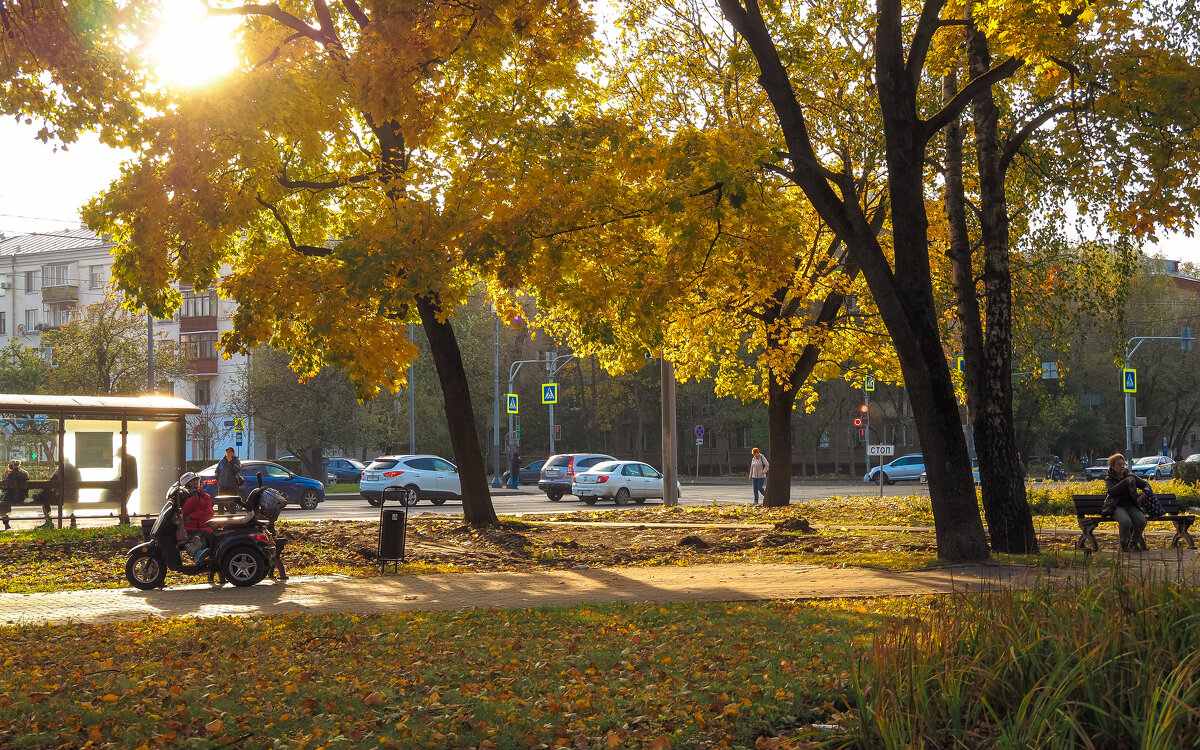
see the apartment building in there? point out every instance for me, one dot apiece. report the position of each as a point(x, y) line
point(46, 277)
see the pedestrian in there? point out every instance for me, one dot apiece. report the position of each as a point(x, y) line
point(758, 473)
point(15, 486)
point(229, 475)
point(1121, 502)
point(513, 449)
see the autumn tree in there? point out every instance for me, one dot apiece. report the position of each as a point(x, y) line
point(22, 368)
point(325, 173)
point(102, 351)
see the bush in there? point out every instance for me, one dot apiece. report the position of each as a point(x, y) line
point(1187, 472)
point(1055, 666)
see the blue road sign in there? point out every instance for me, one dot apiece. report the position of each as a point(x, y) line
point(1129, 381)
point(549, 393)
point(962, 367)
point(869, 385)
point(512, 403)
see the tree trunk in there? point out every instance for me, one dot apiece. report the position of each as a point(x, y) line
point(1010, 521)
point(781, 399)
point(460, 416)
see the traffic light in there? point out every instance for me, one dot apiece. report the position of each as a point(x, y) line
point(863, 408)
point(858, 422)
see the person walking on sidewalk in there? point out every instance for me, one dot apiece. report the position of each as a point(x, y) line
point(229, 475)
point(514, 463)
point(758, 473)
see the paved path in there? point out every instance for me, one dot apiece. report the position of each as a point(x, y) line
point(726, 582)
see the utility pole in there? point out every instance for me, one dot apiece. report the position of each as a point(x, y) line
point(496, 403)
point(1186, 341)
point(412, 400)
point(667, 373)
point(149, 352)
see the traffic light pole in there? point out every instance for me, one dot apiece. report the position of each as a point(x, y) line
point(1186, 340)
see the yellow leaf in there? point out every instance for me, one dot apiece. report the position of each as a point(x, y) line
point(373, 699)
point(214, 726)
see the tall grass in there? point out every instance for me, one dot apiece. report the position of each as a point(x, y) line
point(1104, 664)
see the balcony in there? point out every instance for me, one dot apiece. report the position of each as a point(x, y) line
point(198, 324)
point(204, 366)
point(61, 293)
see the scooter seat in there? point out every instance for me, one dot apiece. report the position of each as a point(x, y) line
point(224, 522)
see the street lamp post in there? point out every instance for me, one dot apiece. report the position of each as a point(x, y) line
point(496, 405)
point(1185, 337)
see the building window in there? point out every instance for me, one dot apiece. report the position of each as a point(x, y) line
point(198, 305)
point(60, 316)
point(56, 274)
point(3, 324)
point(199, 345)
point(31, 281)
point(31, 320)
point(204, 391)
point(95, 277)
point(741, 437)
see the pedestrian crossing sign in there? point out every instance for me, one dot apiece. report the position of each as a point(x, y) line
point(239, 423)
point(512, 403)
point(549, 393)
point(869, 385)
point(1129, 378)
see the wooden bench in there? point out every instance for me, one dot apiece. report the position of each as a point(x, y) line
point(1087, 511)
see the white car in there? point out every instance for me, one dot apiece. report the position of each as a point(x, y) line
point(619, 481)
point(410, 478)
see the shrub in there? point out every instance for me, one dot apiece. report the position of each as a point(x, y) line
point(1054, 666)
point(1188, 472)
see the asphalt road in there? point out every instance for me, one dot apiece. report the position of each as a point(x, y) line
point(528, 499)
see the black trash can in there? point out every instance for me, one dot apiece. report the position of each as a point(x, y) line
point(147, 524)
point(391, 534)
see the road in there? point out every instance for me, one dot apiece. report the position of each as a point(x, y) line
point(530, 500)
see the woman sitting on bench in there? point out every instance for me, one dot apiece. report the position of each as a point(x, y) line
point(1123, 502)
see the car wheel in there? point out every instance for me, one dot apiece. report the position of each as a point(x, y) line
point(640, 500)
point(412, 495)
point(554, 496)
point(622, 496)
point(438, 500)
point(1157, 475)
point(309, 500)
point(882, 478)
point(590, 500)
point(375, 502)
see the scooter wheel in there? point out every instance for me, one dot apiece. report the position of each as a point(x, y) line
point(244, 566)
point(145, 571)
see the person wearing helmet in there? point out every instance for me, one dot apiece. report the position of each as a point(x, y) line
point(196, 509)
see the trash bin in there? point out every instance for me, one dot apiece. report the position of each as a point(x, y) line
point(147, 524)
point(391, 534)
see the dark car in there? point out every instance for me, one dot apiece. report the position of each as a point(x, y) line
point(298, 490)
point(345, 469)
point(530, 473)
point(558, 473)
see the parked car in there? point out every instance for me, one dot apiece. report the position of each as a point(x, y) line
point(619, 481)
point(559, 472)
point(1097, 470)
point(530, 473)
point(974, 472)
point(1153, 467)
point(906, 468)
point(424, 476)
point(298, 490)
point(345, 469)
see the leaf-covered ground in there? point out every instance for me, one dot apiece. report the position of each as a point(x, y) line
point(613, 676)
point(95, 558)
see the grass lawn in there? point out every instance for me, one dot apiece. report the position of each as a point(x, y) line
point(611, 676)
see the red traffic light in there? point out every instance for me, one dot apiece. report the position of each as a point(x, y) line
point(858, 422)
point(863, 408)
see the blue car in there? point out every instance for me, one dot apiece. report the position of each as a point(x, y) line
point(298, 490)
point(904, 469)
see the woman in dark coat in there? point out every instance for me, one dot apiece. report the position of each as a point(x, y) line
point(1121, 502)
point(15, 486)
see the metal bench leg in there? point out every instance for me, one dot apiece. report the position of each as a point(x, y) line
point(1086, 541)
point(1182, 535)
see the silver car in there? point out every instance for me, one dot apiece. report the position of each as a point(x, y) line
point(559, 472)
point(620, 481)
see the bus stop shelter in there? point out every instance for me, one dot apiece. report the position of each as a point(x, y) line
point(94, 455)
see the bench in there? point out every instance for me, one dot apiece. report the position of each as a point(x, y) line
point(1087, 511)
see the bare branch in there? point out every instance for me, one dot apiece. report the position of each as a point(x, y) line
point(977, 84)
point(356, 12)
point(927, 26)
point(328, 185)
point(310, 250)
point(1022, 135)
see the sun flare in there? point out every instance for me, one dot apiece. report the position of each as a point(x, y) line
point(192, 47)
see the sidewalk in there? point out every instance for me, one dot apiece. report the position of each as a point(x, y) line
point(313, 595)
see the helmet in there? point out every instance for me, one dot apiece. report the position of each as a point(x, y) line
point(187, 477)
point(270, 502)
